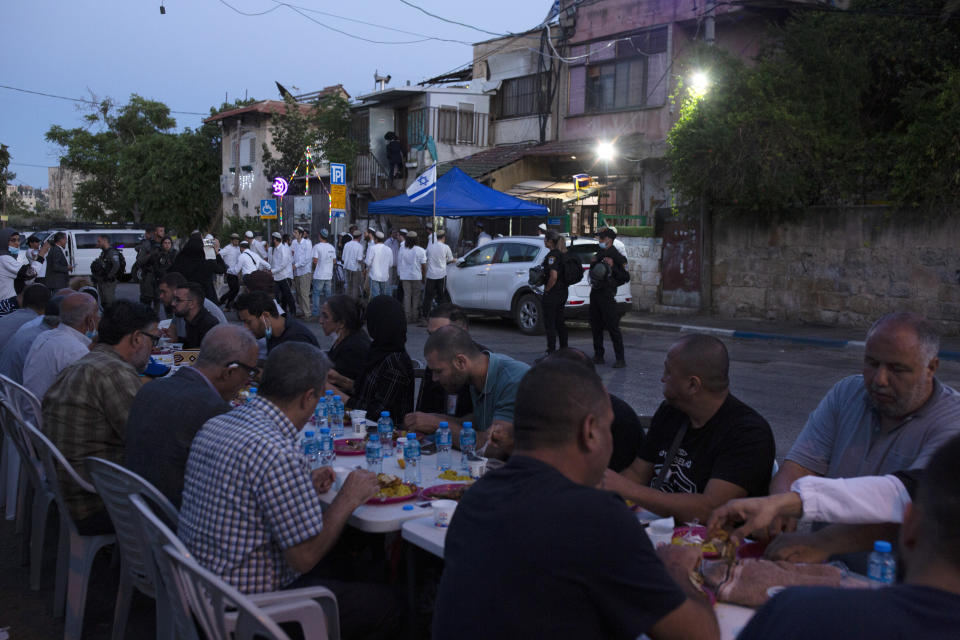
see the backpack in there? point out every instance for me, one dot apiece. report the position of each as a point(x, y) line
point(100, 268)
point(571, 271)
point(620, 275)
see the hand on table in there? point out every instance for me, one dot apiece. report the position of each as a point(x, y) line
point(360, 486)
point(747, 517)
point(323, 479)
point(421, 422)
point(796, 547)
point(501, 436)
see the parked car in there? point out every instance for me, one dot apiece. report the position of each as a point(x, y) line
point(493, 280)
point(82, 247)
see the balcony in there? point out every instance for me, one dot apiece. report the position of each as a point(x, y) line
point(448, 125)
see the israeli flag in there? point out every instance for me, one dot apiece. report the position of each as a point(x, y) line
point(424, 185)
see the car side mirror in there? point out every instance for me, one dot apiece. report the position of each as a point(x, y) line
point(460, 262)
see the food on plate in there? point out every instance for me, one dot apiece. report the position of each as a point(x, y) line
point(452, 493)
point(350, 444)
point(392, 487)
point(452, 475)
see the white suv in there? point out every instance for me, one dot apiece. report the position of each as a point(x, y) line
point(492, 280)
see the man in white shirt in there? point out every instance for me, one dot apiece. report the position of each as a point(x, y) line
point(259, 246)
point(353, 263)
point(324, 256)
point(281, 266)
point(379, 259)
point(411, 269)
point(248, 261)
point(482, 236)
point(438, 257)
point(55, 350)
point(302, 269)
point(231, 257)
point(394, 242)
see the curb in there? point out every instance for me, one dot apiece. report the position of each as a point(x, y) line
point(756, 335)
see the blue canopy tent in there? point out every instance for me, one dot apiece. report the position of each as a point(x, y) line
point(459, 195)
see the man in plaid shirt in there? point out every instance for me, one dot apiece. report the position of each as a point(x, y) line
point(251, 511)
point(85, 410)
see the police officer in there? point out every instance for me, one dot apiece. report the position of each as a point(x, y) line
point(607, 271)
point(554, 291)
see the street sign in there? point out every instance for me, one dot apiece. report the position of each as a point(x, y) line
point(338, 173)
point(268, 209)
point(553, 222)
point(338, 199)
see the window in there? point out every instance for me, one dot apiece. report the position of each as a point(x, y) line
point(447, 125)
point(518, 253)
point(584, 251)
point(620, 74)
point(360, 129)
point(465, 126)
point(248, 150)
point(518, 96)
point(481, 256)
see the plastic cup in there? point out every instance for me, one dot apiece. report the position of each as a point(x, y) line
point(443, 512)
point(358, 418)
point(477, 467)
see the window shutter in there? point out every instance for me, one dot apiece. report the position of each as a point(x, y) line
point(576, 90)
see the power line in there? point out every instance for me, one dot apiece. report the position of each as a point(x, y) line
point(462, 24)
point(83, 100)
point(27, 164)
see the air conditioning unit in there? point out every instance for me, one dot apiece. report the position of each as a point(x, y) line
point(226, 184)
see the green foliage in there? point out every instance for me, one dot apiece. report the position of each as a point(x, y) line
point(324, 124)
point(842, 108)
point(635, 232)
point(5, 174)
point(138, 169)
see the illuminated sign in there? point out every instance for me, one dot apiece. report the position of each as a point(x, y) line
point(280, 187)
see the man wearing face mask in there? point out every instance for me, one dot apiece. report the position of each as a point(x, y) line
point(608, 270)
point(53, 351)
point(85, 411)
point(258, 312)
point(9, 268)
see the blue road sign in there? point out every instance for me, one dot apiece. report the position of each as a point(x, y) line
point(553, 222)
point(268, 208)
point(338, 173)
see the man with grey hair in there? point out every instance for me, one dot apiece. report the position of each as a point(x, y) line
point(890, 418)
point(167, 413)
point(15, 352)
point(54, 351)
point(269, 531)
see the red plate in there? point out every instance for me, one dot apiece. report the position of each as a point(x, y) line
point(341, 450)
point(414, 494)
point(429, 492)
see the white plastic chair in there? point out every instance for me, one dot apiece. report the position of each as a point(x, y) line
point(115, 485)
point(76, 551)
point(313, 608)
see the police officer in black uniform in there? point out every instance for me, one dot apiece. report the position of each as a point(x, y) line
point(554, 291)
point(603, 289)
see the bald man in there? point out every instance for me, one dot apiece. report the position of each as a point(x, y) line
point(704, 446)
point(166, 414)
point(53, 351)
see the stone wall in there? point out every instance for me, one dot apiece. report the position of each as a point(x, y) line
point(839, 267)
point(643, 263)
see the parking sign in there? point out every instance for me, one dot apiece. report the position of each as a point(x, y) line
point(338, 173)
point(268, 209)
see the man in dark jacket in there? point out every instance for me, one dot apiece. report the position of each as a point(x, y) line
point(105, 275)
point(608, 270)
point(167, 413)
point(188, 304)
point(58, 267)
point(146, 251)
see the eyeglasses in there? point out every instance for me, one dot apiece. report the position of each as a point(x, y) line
point(153, 338)
point(177, 299)
point(253, 372)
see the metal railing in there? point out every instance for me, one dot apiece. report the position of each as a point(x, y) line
point(448, 125)
point(369, 172)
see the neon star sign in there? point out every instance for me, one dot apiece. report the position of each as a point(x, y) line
point(280, 187)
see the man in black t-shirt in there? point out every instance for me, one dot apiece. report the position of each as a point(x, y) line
point(704, 446)
point(555, 291)
point(188, 304)
point(257, 311)
point(535, 551)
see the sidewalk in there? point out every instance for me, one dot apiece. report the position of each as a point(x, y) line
point(753, 329)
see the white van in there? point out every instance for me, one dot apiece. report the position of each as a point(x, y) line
point(82, 247)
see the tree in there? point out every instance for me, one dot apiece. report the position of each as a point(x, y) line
point(138, 169)
point(324, 124)
point(842, 107)
point(5, 175)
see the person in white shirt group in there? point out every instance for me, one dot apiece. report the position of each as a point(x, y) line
point(439, 256)
point(248, 261)
point(258, 245)
point(302, 269)
point(324, 258)
point(394, 242)
point(353, 264)
point(55, 350)
point(379, 261)
point(281, 266)
point(412, 269)
point(231, 257)
point(482, 236)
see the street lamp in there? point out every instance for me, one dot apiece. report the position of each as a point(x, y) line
point(699, 84)
point(606, 151)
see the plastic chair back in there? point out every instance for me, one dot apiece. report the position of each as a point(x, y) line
point(210, 599)
point(115, 484)
point(156, 535)
point(20, 400)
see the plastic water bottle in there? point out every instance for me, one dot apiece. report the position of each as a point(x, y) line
point(251, 394)
point(385, 429)
point(374, 454)
point(444, 445)
point(335, 416)
point(882, 566)
point(411, 454)
point(311, 449)
point(320, 413)
point(326, 447)
point(468, 443)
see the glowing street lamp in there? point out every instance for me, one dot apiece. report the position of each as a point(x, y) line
point(606, 151)
point(699, 84)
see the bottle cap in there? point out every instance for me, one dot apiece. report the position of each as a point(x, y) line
point(412, 436)
point(329, 392)
point(408, 507)
point(324, 430)
point(384, 414)
point(253, 389)
point(374, 437)
point(882, 546)
point(308, 434)
point(444, 424)
point(468, 425)
point(337, 398)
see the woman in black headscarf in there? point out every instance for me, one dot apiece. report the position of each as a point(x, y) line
point(386, 382)
point(194, 266)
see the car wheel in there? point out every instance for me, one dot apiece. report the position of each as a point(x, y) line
point(528, 314)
